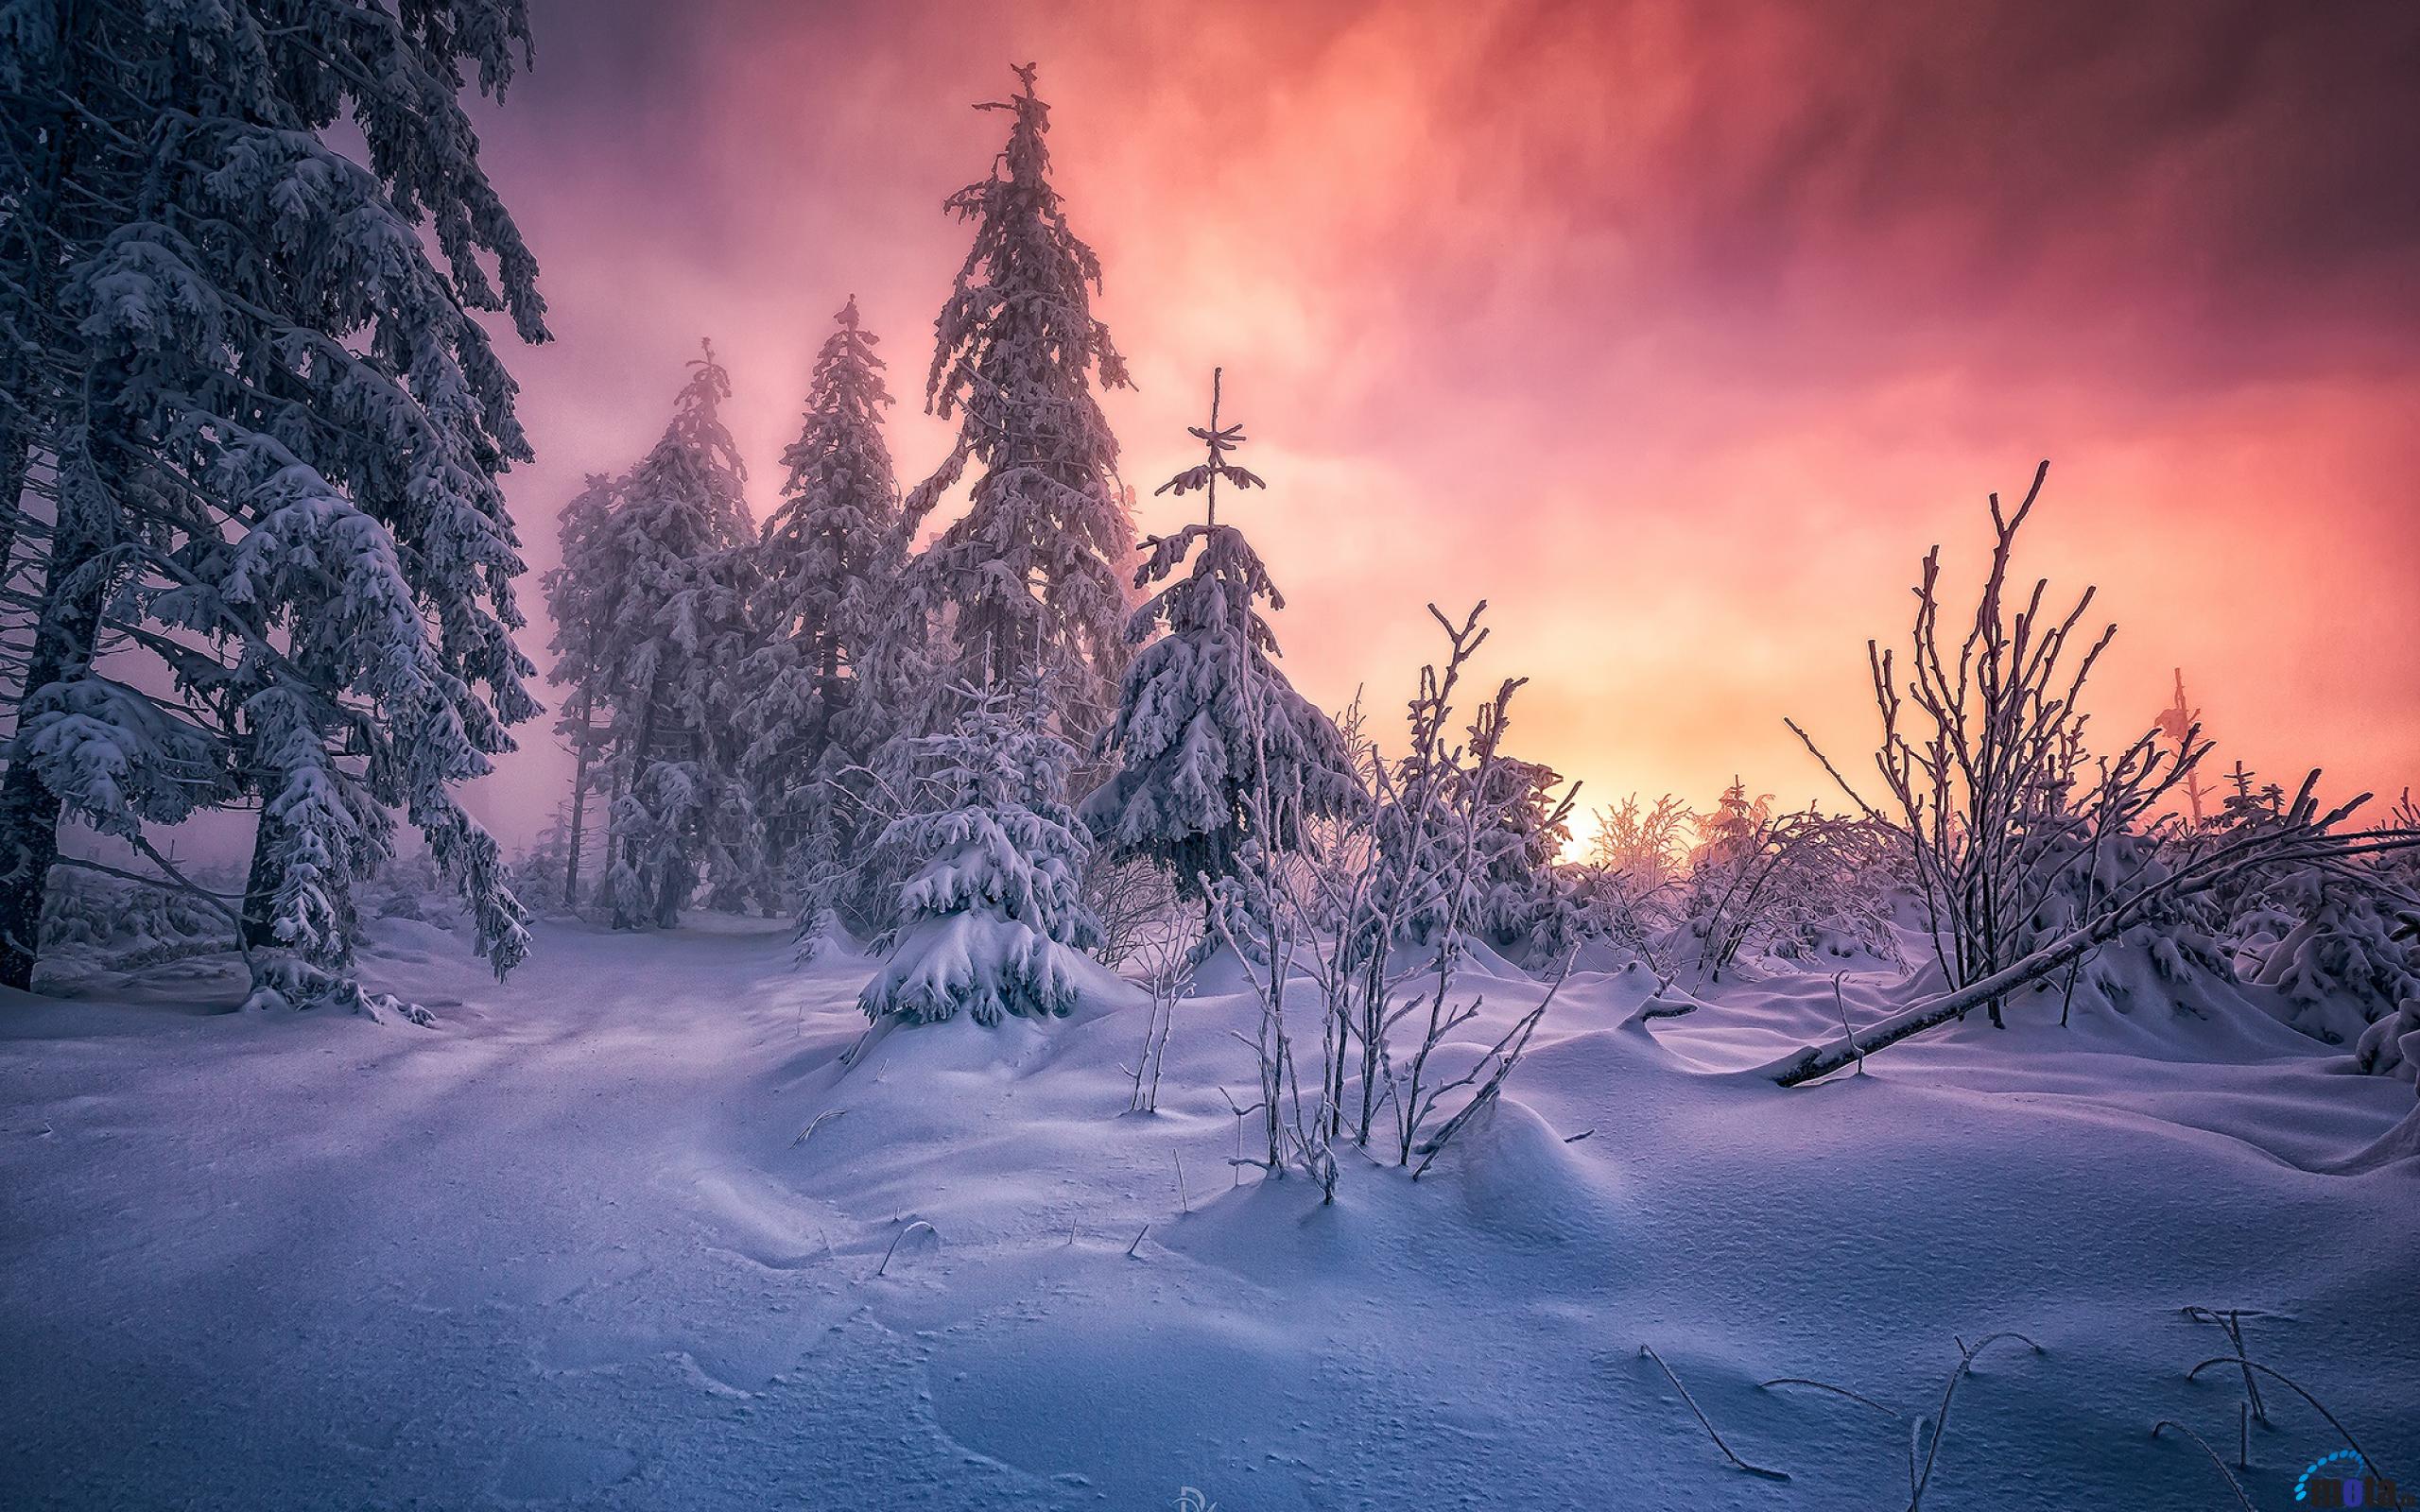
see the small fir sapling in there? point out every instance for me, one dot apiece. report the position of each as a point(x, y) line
point(1205, 715)
point(993, 921)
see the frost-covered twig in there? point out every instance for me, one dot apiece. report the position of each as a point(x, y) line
point(1891, 1413)
point(2233, 1485)
point(2231, 1320)
point(808, 1132)
point(1848, 1034)
point(1649, 1350)
point(1940, 1417)
point(2289, 1381)
point(1503, 1056)
point(900, 1235)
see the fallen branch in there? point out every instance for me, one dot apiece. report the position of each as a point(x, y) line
point(2303, 836)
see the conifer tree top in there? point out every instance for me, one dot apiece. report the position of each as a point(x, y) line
point(1027, 575)
point(1023, 298)
point(842, 426)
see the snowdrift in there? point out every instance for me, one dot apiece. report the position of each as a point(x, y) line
point(661, 1224)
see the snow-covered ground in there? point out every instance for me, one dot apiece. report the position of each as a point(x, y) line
point(570, 1247)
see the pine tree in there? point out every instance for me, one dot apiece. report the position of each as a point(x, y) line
point(993, 916)
point(248, 385)
point(668, 562)
point(1024, 579)
point(830, 565)
point(1205, 715)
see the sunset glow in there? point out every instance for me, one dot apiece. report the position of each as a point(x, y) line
point(1676, 331)
point(1080, 754)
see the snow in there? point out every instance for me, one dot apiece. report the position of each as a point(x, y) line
point(576, 1247)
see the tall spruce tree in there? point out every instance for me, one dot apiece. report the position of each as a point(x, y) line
point(254, 432)
point(829, 568)
point(583, 603)
point(1204, 716)
point(665, 566)
point(1025, 580)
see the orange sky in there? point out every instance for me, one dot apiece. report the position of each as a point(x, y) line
point(1677, 331)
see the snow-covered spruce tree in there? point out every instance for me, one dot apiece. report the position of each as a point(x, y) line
point(675, 556)
point(2390, 1047)
point(2329, 939)
point(261, 407)
point(582, 600)
point(1467, 842)
point(1024, 579)
point(828, 568)
point(1205, 715)
point(993, 918)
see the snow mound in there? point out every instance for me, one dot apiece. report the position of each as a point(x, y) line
point(1519, 1178)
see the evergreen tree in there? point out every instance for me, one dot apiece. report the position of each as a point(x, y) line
point(2329, 939)
point(1522, 907)
point(2391, 1047)
point(1470, 841)
point(258, 429)
point(1204, 716)
point(993, 916)
point(667, 562)
point(2246, 806)
point(830, 566)
point(582, 601)
point(1024, 579)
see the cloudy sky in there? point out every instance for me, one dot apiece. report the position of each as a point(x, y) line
point(1676, 330)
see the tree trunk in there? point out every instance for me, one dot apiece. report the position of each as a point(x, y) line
point(578, 801)
point(29, 810)
point(1813, 1061)
point(643, 757)
point(64, 636)
point(672, 892)
point(262, 882)
point(35, 215)
point(16, 450)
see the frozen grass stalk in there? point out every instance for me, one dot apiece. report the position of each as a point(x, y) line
point(1649, 1350)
